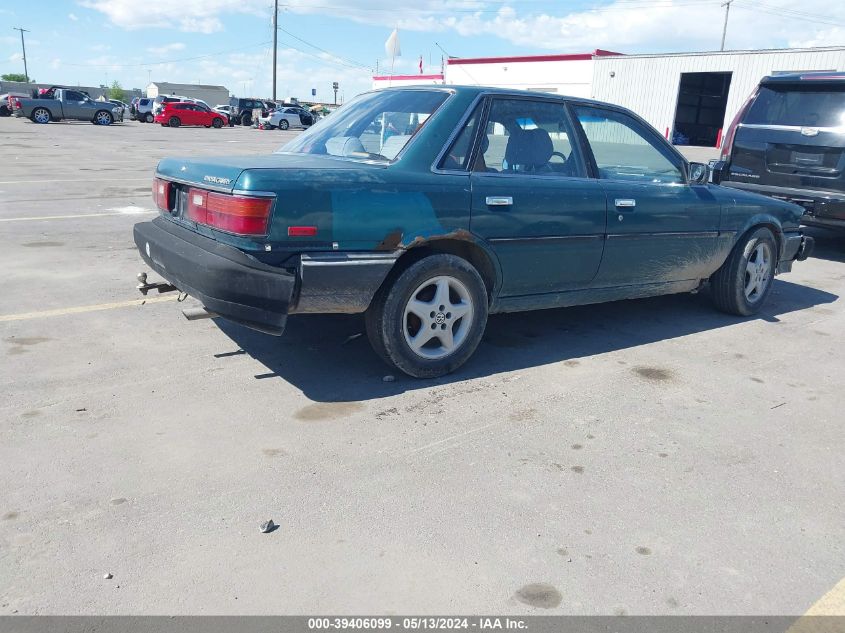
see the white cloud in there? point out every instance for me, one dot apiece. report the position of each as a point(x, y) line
point(15, 57)
point(167, 48)
point(199, 16)
point(72, 17)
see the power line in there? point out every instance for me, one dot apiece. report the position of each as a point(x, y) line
point(346, 60)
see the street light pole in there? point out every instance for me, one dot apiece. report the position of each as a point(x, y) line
point(275, 43)
point(727, 6)
point(23, 48)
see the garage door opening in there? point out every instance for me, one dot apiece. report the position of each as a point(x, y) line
point(702, 99)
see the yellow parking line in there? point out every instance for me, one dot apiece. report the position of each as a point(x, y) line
point(81, 309)
point(80, 215)
point(830, 604)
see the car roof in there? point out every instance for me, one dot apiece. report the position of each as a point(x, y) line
point(823, 77)
point(492, 90)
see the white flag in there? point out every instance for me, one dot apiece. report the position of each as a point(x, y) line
point(391, 46)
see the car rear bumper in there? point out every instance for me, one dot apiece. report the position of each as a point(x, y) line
point(227, 281)
point(821, 208)
point(239, 288)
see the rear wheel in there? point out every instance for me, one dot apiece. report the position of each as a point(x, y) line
point(174, 121)
point(429, 321)
point(148, 117)
point(744, 281)
point(103, 118)
point(41, 115)
point(283, 124)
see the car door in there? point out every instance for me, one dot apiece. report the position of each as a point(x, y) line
point(532, 200)
point(659, 228)
point(73, 105)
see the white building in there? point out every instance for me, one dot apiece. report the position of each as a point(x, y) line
point(562, 74)
point(690, 97)
point(212, 95)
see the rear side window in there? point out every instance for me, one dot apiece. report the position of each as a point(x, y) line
point(805, 106)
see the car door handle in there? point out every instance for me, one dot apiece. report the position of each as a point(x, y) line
point(625, 203)
point(499, 201)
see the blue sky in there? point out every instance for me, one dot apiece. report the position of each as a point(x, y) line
point(92, 42)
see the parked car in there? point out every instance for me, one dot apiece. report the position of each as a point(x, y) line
point(6, 103)
point(223, 109)
point(177, 113)
point(142, 110)
point(66, 104)
point(788, 142)
point(283, 119)
point(159, 101)
point(241, 109)
point(470, 201)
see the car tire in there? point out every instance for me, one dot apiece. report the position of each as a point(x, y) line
point(246, 119)
point(174, 121)
point(5, 111)
point(745, 280)
point(427, 297)
point(148, 117)
point(217, 123)
point(102, 117)
point(283, 124)
point(41, 115)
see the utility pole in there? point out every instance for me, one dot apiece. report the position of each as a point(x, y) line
point(335, 88)
point(275, 42)
point(727, 6)
point(23, 48)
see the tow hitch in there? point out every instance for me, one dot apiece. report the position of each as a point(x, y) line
point(143, 287)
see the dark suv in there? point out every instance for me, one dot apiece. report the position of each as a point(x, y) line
point(241, 110)
point(788, 142)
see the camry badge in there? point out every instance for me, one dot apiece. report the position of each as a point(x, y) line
point(809, 131)
point(217, 180)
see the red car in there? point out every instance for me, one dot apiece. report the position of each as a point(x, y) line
point(176, 113)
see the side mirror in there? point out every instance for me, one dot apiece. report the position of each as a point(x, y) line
point(698, 173)
point(718, 171)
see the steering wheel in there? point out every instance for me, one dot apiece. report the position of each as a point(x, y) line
point(559, 155)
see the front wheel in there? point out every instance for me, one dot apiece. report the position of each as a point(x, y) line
point(429, 321)
point(283, 124)
point(217, 123)
point(148, 117)
point(174, 121)
point(745, 280)
point(41, 115)
point(103, 118)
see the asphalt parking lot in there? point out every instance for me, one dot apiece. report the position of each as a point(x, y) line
point(640, 457)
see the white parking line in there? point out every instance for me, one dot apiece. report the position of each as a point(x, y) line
point(80, 215)
point(25, 316)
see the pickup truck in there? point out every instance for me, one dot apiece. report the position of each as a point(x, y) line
point(67, 104)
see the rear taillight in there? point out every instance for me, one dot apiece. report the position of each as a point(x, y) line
point(16, 104)
point(243, 215)
point(163, 194)
point(728, 142)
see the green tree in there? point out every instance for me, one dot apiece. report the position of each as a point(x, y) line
point(15, 77)
point(116, 91)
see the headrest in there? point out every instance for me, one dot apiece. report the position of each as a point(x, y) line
point(529, 149)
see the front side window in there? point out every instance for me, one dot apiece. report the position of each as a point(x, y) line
point(373, 126)
point(73, 95)
point(623, 149)
point(522, 136)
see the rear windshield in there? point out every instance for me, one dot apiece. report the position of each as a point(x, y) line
point(373, 126)
point(805, 106)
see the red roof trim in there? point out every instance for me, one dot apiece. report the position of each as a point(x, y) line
point(532, 58)
point(401, 77)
